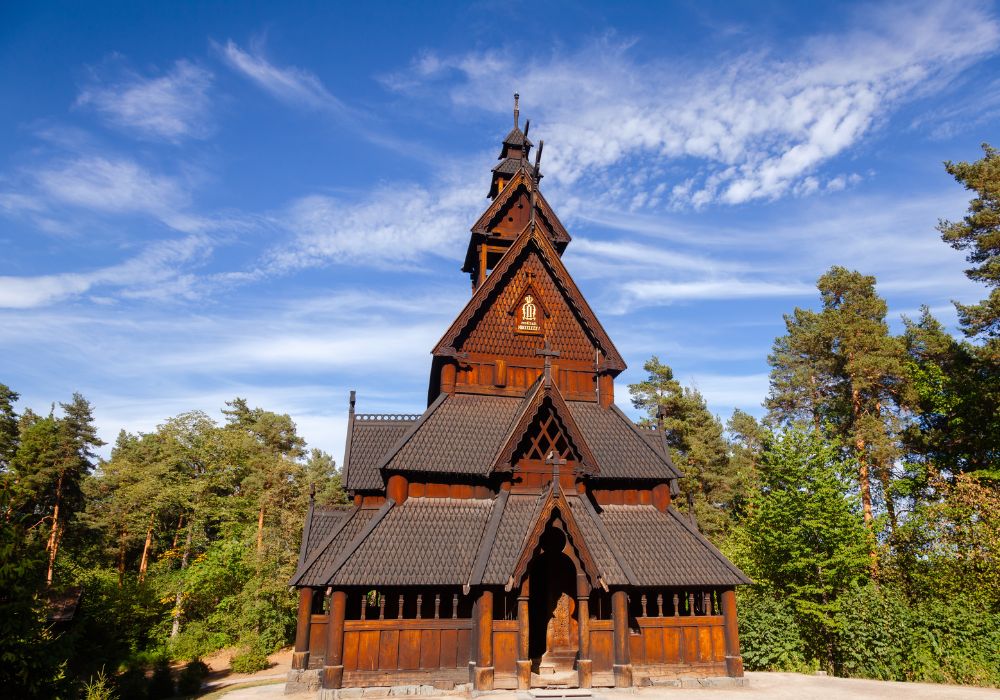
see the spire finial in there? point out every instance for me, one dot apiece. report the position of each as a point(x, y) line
point(516, 110)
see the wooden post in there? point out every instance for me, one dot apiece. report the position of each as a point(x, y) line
point(523, 636)
point(449, 374)
point(584, 664)
point(484, 643)
point(734, 662)
point(606, 386)
point(661, 497)
point(623, 665)
point(397, 488)
point(300, 658)
point(333, 665)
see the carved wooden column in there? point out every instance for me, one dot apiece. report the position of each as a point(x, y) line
point(734, 662)
point(300, 658)
point(623, 665)
point(333, 665)
point(523, 638)
point(484, 644)
point(584, 664)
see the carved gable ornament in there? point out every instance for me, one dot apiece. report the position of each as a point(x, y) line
point(529, 313)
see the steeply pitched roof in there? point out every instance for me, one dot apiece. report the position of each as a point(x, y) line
point(534, 400)
point(522, 179)
point(621, 449)
point(458, 434)
point(315, 570)
point(519, 514)
point(371, 437)
point(501, 276)
point(664, 550)
point(423, 541)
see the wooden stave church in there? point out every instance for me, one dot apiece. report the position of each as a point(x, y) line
point(519, 532)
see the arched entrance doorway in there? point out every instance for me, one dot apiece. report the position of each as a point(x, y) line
point(553, 640)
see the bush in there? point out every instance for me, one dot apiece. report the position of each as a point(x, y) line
point(249, 661)
point(190, 679)
point(770, 638)
point(132, 684)
point(198, 639)
point(875, 632)
point(161, 683)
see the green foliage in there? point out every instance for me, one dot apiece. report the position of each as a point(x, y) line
point(696, 442)
point(770, 638)
point(100, 687)
point(189, 680)
point(875, 629)
point(978, 234)
point(250, 660)
point(161, 682)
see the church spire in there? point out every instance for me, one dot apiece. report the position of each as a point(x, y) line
point(513, 153)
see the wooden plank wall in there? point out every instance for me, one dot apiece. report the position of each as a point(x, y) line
point(662, 640)
point(406, 645)
point(504, 647)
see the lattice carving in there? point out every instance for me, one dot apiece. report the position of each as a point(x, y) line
point(546, 436)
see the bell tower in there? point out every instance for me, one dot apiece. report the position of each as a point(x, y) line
point(514, 198)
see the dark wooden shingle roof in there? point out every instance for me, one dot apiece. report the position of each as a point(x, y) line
point(621, 449)
point(424, 541)
point(460, 434)
point(371, 438)
point(663, 549)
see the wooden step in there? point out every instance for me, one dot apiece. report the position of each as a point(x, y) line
point(560, 693)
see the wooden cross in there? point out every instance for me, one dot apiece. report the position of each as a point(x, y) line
point(556, 461)
point(548, 353)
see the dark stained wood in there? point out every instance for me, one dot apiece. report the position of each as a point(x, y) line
point(396, 489)
point(449, 649)
point(734, 662)
point(409, 648)
point(690, 640)
point(388, 649)
point(619, 612)
point(505, 646)
point(368, 650)
point(350, 651)
point(430, 649)
point(661, 497)
point(300, 658)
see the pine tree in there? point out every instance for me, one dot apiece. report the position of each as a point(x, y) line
point(842, 366)
point(8, 426)
point(978, 233)
point(696, 443)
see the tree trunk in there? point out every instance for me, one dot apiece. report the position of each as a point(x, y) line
point(177, 532)
point(144, 562)
point(178, 600)
point(53, 544)
point(864, 477)
point(260, 528)
point(121, 557)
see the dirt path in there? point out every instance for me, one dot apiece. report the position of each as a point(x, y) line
point(780, 686)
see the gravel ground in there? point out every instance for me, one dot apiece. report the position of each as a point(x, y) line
point(790, 686)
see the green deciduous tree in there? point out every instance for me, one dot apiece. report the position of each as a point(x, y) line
point(803, 535)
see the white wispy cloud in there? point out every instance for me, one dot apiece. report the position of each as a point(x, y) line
point(393, 226)
point(118, 185)
point(172, 106)
point(154, 273)
point(288, 84)
point(758, 126)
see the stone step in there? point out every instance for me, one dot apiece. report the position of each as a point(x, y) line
point(560, 693)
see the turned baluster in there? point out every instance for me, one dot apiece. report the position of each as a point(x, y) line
point(659, 605)
point(643, 601)
point(381, 606)
point(437, 606)
point(454, 606)
point(677, 603)
point(399, 616)
point(420, 604)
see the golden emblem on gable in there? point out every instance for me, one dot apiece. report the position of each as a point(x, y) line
point(527, 316)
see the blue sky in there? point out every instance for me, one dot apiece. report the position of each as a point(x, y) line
point(205, 200)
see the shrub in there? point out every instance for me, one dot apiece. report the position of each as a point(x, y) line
point(161, 683)
point(190, 679)
point(249, 661)
point(874, 634)
point(132, 684)
point(770, 637)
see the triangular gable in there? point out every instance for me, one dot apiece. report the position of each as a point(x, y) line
point(533, 403)
point(556, 500)
point(570, 293)
point(506, 199)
